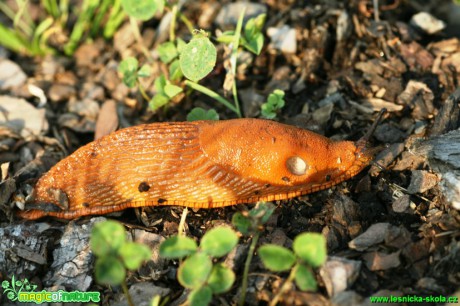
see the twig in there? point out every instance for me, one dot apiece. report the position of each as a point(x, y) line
point(376, 10)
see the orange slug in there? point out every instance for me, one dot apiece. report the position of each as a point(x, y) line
point(201, 164)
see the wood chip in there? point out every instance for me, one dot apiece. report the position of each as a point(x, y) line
point(376, 261)
point(107, 120)
point(377, 104)
point(373, 235)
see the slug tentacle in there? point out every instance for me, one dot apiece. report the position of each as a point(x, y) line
point(362, 143)
point(201, 164)
point(365, 153)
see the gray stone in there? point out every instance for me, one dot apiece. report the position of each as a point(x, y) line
point(11, 75)
point(347, 298)
point(427, 23)
point(375, 234)
point(339, 274)
point(22, 116)
point(283, 39)
point(72, 265)
point(451, 186)
point(24, 247)
point(401, 204)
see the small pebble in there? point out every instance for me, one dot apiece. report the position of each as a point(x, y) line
point(283, 39)
point(427, 23)
point(401, 204)
point(11, 75)
point(422, 181)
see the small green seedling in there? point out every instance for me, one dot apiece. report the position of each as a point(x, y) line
point(193, 60)
point(273, 105)
point(129, 68)
point(309, 252)
point(197, 272)
point(169, 54)
point(252, 38)
point(197, 60)
point(115, 254)
point(199, 113)
point(165, 91)
point(248, 222)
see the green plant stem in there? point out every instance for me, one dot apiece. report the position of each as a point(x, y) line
point(236, 42)
point(186, 21)
point(234, 58)
point(137, 35)
point(22, 12)
point(287, 285)
point(214, 95)
point(101, 12)
point(41, 35)
point(26, 28)
point(172, 25)
point(143, 92)
point(116, 17)
point(11, 40)
point(64, 12)
point(126, 293)
point(51, 7)
point(87, 12)
point(235, 98)
point(244, 285)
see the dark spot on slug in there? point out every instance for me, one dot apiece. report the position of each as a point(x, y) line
point(85, 204)
point(328, 178)
point(268, 185)
point(93, 154)
point(161, 201)
point(143, 187)
point(286, 179)
point(257, 192)
point(273, 139)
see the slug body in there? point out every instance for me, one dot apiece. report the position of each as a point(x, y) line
point(202, 164)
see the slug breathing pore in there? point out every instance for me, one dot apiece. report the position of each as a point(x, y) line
point(201, 164)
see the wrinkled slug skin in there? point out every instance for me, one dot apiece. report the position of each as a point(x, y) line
point(200, 164)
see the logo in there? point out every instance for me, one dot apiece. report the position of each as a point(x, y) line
point(24, 291)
